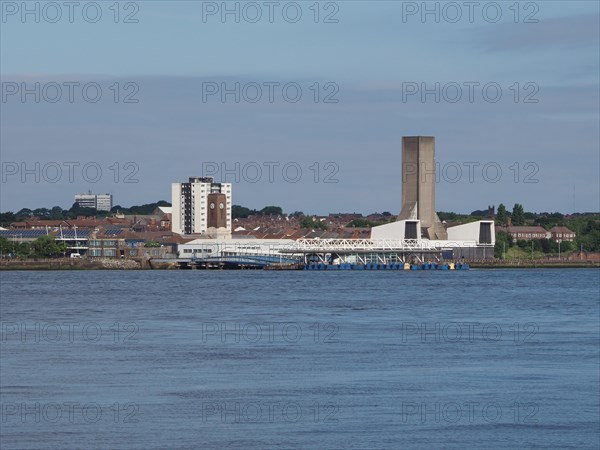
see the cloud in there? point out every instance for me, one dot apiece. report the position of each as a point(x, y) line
point(171, 132)
point(547, 34)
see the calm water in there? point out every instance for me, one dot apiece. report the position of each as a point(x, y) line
point(479, 359)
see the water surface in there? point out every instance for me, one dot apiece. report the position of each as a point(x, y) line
point(499, 359)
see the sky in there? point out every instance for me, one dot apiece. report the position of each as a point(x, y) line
point(301, 104)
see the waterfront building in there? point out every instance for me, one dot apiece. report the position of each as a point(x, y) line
point(561, 234)
point(417, 233)
point(526, 233)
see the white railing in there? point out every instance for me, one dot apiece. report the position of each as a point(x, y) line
point(360, 245)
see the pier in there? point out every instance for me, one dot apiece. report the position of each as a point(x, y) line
point(362, 252)
point(327, 254)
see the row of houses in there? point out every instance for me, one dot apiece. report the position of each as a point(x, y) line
point(104, 242)
point(149, 236)
point(279, 232)
point(527, 233)
point(159, 220)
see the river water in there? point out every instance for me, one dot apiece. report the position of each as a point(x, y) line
point(502, 359)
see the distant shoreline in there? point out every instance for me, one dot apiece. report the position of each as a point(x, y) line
point(524, 265)
point(69, 264)
point(130, 264)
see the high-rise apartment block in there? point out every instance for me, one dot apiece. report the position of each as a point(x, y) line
point(100, 202)
point(201, 206)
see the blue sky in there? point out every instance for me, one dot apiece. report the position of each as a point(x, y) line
point(548, 151)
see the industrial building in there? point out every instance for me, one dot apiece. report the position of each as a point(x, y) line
point(417, 234)
point(418, 187)
point(418, 219)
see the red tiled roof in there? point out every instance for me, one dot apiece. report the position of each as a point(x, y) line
point(525, 229)
point(561, 230)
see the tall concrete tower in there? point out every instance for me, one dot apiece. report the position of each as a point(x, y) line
point(418, 185)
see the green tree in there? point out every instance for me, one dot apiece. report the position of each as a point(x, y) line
point(42, 213)
point(502, 244)
point(56, 213)
point(241, 212)
point(523, 244)
point(501, 216)
point(360, 223)
point(549, 246)
point(479, 213)
point(589, 236)
point(14, 248)
point(518, 215)
point(147, 208)
point(566, 246)
point(549, 220)
point(77, 210)
point(5, 247)
point(23, 250)
point(48, 247)
point(6, 218)
point(443, 215)
point(141, 210)
point(271, 210)
point(310, 223)
point(24, 213)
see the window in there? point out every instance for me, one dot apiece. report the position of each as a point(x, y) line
point(133, 253)
point(410, 230)
point(485, 233)
point(95, 252)
point(110, 252)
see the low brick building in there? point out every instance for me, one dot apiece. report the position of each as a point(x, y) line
point(525, 233)
point(562, 234)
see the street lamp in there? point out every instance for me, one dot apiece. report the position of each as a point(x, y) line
point(532, 249)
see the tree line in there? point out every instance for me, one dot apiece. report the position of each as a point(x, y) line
point(585, 225)
point(57, 213)
point(42, 247)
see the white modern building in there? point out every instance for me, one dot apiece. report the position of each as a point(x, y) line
point(86, 200)
point(416, 232)
point(104, 202)
point(233, 247)
point(100, 202)
point(474, 240)
point(201, 206)
point(418, 219)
